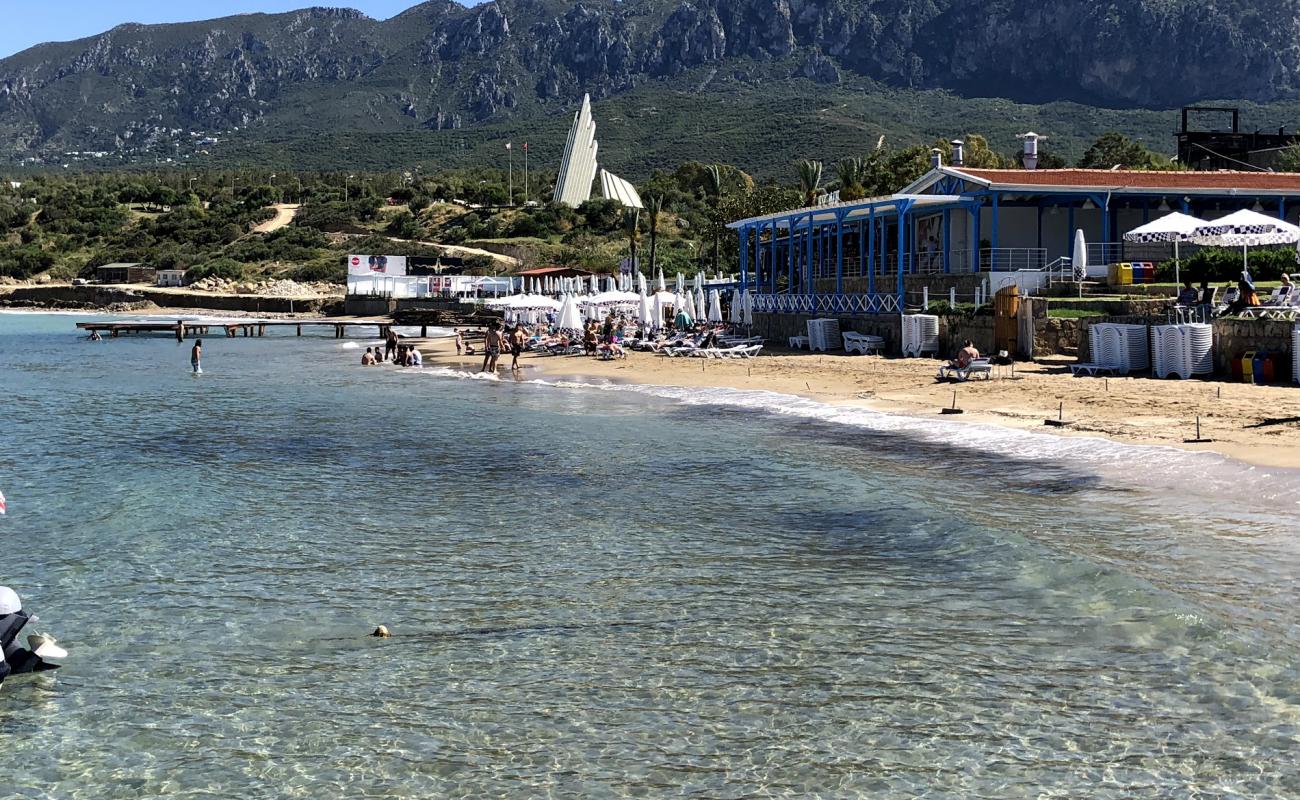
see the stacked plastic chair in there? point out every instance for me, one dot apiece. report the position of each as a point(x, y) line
point(1122, 348)
point(1182, 350)
point(920, 334)
point(1295, 354)
point(824, 335)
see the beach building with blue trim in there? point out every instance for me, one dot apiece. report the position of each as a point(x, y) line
point(953, 223)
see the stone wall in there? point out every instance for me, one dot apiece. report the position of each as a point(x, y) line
point(778, 328)
point(1232, 338)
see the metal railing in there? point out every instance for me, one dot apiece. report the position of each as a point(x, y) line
point(825, 303)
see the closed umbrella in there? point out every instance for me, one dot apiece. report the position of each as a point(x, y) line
point(1080, 261)
point(688, 308)
point(570, 320)
point(736, 310)
point(715, 307)
point(644, 312)
point(657, 312)
point(681, 283)
point(699, 281)
point(748, 304)
point(700, 304)
point(661, 285)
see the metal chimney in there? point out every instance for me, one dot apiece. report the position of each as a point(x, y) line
point(958, 157)
point(936, 158)
point(1030, 157)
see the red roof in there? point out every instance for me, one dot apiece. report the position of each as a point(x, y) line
point(1138, 179)
point(561, 272)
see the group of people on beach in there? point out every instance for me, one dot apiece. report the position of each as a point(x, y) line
point(403, 355)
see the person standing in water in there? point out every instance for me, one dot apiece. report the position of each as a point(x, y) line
point(196, 354)
point(492, 346)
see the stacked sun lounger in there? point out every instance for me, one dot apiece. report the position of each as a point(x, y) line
point(864, 343)
point(1182, 350)
point(824, 335)
point(1295, 354)
point(1120, 348)
point(920, 334)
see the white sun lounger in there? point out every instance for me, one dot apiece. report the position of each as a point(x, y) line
point(1092, 370)
point(977, 366)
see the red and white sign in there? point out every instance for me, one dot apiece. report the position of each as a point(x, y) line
point(376, 265)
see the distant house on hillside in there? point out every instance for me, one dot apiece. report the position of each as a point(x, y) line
point(126, 273)
point(171, 277)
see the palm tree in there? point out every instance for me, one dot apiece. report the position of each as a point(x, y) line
point(655, 205)
point(713, 187)
point(810, 181)
point(851, 173)
point(632, 227)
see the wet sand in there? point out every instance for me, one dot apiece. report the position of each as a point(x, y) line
point(1256, 424)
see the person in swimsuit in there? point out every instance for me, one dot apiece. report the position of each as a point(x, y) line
point(390, 344)
point(368, 360)
point(196, 355)
point(492, 347)
point(517, 337)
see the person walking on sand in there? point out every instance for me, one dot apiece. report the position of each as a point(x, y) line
point(196, 356)
point(460, 342)
point(492, 347)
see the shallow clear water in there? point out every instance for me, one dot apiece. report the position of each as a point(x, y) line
point(601, 591)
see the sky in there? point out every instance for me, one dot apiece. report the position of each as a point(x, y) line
point(30, 22)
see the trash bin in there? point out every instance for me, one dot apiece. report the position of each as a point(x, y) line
point(1243, 368)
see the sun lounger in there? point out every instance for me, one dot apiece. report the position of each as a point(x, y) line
point(798, 342)
point(1091, 370)
point(863, 343)
point(977, 367)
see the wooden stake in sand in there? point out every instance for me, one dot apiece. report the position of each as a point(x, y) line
point(953, 409)
point(1060, 421)
point(1198, 439)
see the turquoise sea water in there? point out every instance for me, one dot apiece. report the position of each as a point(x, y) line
point(608, 592)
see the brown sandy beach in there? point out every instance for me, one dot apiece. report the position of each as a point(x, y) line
point(1256, 424)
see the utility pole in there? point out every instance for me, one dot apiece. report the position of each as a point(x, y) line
point(525, 173)
point(510, 174)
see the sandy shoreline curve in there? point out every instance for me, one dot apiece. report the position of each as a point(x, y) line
point(1259, 425)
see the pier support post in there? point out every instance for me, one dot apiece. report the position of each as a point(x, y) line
point(424, 331)
point(300, 330)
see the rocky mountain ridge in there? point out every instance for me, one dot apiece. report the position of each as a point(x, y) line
point(168, 91)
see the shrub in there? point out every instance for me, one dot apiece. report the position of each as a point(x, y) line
point(227, 268)
point(1221, 264)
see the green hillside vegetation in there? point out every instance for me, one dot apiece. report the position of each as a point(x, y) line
point(66, 225)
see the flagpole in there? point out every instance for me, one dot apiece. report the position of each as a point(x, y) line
point(510, 172)
point(525, 173)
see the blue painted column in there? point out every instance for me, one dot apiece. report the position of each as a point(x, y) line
point(947, 241)
point(1040, 225)
point(993, 241)
point(862, 245)
point(1069, 233)
point(871, 252)
point(1281, 208)
point(790, 277)
point(744, 258)
point(902, 248)
point(772, 260)
point(975, 239)
point(839, 253)
point(812, 236)
point(1105, 226)
point(1185, 205)
point(1146, 210)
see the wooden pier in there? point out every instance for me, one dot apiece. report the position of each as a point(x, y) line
point(234, 327)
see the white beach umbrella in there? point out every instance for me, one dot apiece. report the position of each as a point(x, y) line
point(657, 311)
point(660, 281)
point(736, 310)
point(681, 283)
point(689, 308)
point(570, 319)
point(1080, 260)
point(748, 304)
point(1173, 227)
point(644, 312)
point(715, 307)
point(1245, 228)
point(700, 303)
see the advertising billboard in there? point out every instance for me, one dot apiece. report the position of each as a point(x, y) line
point(376, 265)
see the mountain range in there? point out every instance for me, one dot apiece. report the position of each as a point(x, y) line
point(767, 80)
